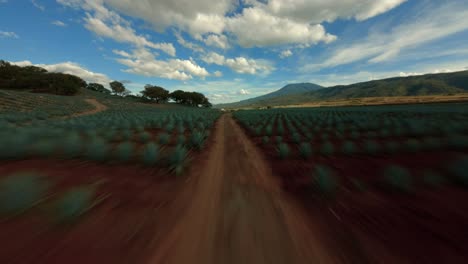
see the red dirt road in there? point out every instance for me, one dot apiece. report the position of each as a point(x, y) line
point(238, 212)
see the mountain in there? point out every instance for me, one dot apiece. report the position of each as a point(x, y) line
point(429, 84)
point(288, 90)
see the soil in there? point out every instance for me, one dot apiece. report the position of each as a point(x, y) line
point(98, 107)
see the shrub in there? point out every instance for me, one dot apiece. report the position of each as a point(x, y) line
point(398, 178)
point(432, 179)
point(371, 147)
point(44, 148)
point(196, 140)
point(181, 139)
point(305, 150)
point(265, 140)
point(124, 151)
point(21, 191)
point(164, 138)
point(459, 170)
point(145, 137)
point(72, 145)
point(283, 150)
point(296, 138)
point(324, 181)
point(150, 154)
point(177, 159)
point(97, 150)
point(349, 148)
point(392, 147)
point(327, 149)
point(412, 145)
point(74, 202)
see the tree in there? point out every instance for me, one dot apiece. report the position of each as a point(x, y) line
point(117, 87)
point(156, 93)
point(98, 88)
point(178, 96)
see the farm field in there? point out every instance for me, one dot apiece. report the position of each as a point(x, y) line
point(115, 181)
point(384, 183)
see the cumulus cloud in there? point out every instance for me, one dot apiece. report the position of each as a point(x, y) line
point(59, 23)
point(249, 22)
point(71, 68)
point(285, 54)
point(143, 62)
point(187, 44)
point(240, 64)
point(6, 34)
point(434, 22)
point(217, 73)
point(219, 41)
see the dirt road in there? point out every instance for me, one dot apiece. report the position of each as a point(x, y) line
point(238, 213)
point(98, 107)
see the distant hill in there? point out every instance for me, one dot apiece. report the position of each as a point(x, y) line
point(288, 90)
point(429, 84)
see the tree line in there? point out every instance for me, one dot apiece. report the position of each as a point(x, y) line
point(39, 80)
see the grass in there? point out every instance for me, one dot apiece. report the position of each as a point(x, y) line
point(21, 191)
point(398, 178)
point(283, 150)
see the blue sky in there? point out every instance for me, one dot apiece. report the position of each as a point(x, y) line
point(235, 49)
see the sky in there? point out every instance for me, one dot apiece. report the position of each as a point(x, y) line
point(232, 50)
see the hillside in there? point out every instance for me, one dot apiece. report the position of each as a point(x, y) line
point(430, 84)
point(288, 90)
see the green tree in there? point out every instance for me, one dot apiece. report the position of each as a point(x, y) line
point(117, 87)
point(156, 93)
point(98, 88)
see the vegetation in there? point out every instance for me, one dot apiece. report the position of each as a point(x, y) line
point(74, 202)
point(324, 181)
point(398, 178)
point(21, 191)
point(38, 80)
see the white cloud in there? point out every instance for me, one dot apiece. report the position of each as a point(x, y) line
point(218, 74)
point(243, 92)
point(3, 1)
point(71, 68)
point(256, 27)
point(240, 64)
point(219, 41)
point(285, 54)
point(187, 44)
point(142, 62)
point(38, 5)
point(433, 23)
point(6, 34)
point(125, 34)
point(254, 23)
point(59, 23)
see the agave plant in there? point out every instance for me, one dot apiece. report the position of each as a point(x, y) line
point(324, 180)
point(178, 159)
point(305, 150)
point(74, 202)
point(21, 191)
point(124, 151)
point(197, 139)
point(150, 154)
point(398, 178)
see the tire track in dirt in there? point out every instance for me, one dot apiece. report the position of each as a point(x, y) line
point(238, 212)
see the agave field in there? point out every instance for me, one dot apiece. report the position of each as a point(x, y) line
point(393, 175)
point(109, 171)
